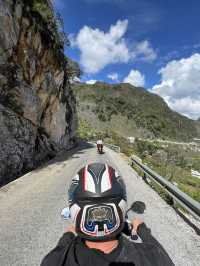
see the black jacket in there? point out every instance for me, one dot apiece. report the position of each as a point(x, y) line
point(71, 251)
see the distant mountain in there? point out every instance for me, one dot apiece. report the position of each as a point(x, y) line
point(198, 125)
point(131, 111)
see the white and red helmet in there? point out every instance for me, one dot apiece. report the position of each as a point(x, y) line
point(97, 201)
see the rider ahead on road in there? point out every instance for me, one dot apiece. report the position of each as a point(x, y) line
point(97, 201)
point(100, 145)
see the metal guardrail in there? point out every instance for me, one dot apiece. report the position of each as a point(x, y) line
point(182, 198)
point(113, 147)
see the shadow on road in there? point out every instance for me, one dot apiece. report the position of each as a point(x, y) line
point(59, 158)
point(65, 155)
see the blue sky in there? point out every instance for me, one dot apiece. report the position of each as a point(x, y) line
point(150, 43)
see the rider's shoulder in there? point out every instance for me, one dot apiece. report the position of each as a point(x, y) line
point(140, 247)
point(53, 257)
point(147, 253)
point(66, 239)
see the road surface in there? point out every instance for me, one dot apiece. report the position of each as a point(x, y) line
point(30, 207)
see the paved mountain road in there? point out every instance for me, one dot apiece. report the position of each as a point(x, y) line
point(30, 207)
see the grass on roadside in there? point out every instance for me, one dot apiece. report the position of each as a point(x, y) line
point(173, 163)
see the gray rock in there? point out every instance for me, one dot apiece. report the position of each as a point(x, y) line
point(37, 106)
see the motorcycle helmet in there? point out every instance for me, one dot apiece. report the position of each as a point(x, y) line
point(97, 202)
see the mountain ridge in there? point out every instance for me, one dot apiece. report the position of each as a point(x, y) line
point(140, 112)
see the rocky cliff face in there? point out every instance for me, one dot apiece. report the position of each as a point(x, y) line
point(37, 106)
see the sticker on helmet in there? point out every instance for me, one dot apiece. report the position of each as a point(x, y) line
point(100, 220)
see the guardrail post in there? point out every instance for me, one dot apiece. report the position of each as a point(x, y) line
point(171, 202)
point(144, 177)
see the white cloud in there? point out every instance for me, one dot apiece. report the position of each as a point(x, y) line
point(91, 81)
point(72, 39)
point(99, 49)
point(113, 76)
point(187, 106)
point(135, 78)
point(180, 85)
point(144, 51)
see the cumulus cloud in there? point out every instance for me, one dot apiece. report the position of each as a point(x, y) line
point(180, 85)
point(113, 76)
point(91, 81)
point(99, 49)
point(135, 78)
point(144, 51)
point(72, 39)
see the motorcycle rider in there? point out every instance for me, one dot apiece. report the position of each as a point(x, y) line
point(97, 202)
point(100, 145)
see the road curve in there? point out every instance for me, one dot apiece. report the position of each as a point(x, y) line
point(30, 207)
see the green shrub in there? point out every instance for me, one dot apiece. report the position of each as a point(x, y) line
point(161, 191)
point(49, 23)
point(102, 117)
point(43, 9)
